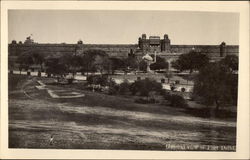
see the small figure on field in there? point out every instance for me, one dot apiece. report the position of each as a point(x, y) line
point(51, 140)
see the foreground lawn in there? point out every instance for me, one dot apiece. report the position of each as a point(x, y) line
point(99, 121)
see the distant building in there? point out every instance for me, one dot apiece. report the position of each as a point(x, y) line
point(162, 47)
point(154, 43)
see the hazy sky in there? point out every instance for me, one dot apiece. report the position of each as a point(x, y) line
point(123, 27)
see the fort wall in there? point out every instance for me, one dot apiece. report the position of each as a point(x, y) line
point(119, 51)
point(210, 50)
point(150, 45)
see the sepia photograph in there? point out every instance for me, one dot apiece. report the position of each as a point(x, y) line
point(136, 80)
point(128, 80)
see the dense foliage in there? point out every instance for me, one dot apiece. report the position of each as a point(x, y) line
point(175, 100)
point(191, 61)
point(56, 67)
point(231, 62)
point(144, 87)
point(159, 64)
point(216, 84)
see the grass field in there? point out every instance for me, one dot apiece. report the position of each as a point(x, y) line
point(99, 121)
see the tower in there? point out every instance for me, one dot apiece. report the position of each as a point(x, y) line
point(165, 44)
point(223, 49)
point(143, 43)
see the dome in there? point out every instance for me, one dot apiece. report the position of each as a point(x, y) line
point(147, 57)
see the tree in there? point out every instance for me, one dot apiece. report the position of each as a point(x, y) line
point(176, 65)
point(13, 42)
point(25, 60)
point(71, 62)
point(38, 58)
point(159, 64)
point(168, 75)
point(231, 62)
point(98, 80)
point(132, 62)
point(217, 85)
point(93, 60)
point(144, 87)
point(86, 63)
point(143, 65)
point(55, 67)
point(191, 61)
point(116, 63)
point(11, 65)
point(101, 63)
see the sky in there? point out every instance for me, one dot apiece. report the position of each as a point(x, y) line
point(123, 27)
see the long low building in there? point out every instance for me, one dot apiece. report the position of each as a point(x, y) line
point(150, 45)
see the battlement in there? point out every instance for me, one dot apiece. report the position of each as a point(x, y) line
point(150, 45)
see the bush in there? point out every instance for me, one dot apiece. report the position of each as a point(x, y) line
point(144, 87)
point(183, 89)
point(70, 81)
point(163, 92)
point(176, 100)
point(163, 80)
point(98, 79)
point(113, 90)
point(39, 74)
point(124, 87)
point(172, 88)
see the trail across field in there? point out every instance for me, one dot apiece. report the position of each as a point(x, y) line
point(99, 121)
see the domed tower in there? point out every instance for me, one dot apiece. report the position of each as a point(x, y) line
point(165, 44)
point(223, 49)
point(165, 36)
point(79, 47)
point(143, 43)
point(79, 41)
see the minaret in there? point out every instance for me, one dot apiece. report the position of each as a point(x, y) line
point(223, 49)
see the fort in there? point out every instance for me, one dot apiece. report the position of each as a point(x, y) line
point(162, 47)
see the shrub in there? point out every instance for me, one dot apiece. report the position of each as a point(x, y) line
point(39, 74)
point(163, 92)
point(183, 89)
point(172, 88)
point(98, 79)
point(124, 87)
point(162, 80)
point(70, 80)
point(175, 100)
point(113, 90)
point(144, 87)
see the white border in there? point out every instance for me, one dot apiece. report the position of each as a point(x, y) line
point(243, 107)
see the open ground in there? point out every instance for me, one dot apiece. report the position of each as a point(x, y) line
point(100, 121)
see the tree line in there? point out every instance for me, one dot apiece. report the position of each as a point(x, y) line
point(92, 60)
point(216, 83)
